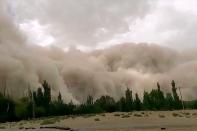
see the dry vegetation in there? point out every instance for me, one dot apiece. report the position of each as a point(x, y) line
point(141, 120)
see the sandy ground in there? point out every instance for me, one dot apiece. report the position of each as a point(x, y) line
point(118, 121)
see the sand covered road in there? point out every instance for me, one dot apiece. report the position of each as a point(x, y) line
point(144, 120)
point(118, 121)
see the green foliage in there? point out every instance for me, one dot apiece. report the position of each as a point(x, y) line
point(23, 108)
point(89, 107)
point(89, 100)
point(191, 104)
point(47, 93)
point(42, 99)
point(137, 103)
point(39, 103)
point(177, 102)
point(59, 98)
point(6, 109)
point(122, 104)
point(39, 97)
point(147, 103)
point(154, 100)
point(106, 103)
point(169, 101)
point(48, 122)
point(40, 111)
point(2, 127)
point(57, 108)
point(129, 100)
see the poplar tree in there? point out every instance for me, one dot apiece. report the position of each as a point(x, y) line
point(177, 102)
point(137, 103)
point(129, 100)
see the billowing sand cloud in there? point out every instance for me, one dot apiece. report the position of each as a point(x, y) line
point(78, 74)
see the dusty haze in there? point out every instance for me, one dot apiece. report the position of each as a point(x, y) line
point(77, 74)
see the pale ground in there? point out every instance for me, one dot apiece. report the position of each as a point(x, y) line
point(133, 121)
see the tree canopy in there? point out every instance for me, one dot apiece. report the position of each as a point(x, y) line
point(39, 103)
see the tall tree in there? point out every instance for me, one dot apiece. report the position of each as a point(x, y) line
point(59, 98)
point(137, 103)
point(89, 100)
point(160, 97)
point(177, 102)
point(7, 107)
point(122, 104)
point(47, 93)
point(107, 103)
point(169, 102)
point(146, 101)
point(39, 97)
point(129, 100)
point(175, 95)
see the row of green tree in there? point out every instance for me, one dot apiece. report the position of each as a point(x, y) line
point(39, 104)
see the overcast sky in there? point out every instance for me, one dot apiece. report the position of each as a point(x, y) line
point(90, 24)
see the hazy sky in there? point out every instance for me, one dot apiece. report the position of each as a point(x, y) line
point(89, 24)
point(93, 24)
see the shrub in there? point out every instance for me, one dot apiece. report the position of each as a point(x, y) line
point(186, 113)
point(96, 119)
point(21, 111)
point(194, 114)
point(130, 113)
point(102, 114)
point(138, 115)
point(48, 121)
point(40, 111)
point(20, 128)
point(161, 116)
point(2, 127)
point(125, 116)
point(116, 114)
point(175, 114)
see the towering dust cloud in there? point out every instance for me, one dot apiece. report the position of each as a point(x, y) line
point(78, 74)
